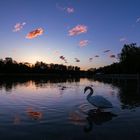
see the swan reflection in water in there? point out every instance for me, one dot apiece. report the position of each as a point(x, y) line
point(97, 118)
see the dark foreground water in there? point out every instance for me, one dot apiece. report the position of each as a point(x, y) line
point(57, 109)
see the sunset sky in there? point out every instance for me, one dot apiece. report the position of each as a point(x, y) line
point(84, 33)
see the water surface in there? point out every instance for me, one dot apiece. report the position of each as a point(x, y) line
point(44, 109)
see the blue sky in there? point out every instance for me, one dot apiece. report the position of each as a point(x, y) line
point(109, 24)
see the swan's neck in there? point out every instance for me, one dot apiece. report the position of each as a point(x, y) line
point(89, 95)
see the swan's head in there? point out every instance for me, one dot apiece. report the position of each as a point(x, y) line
point(88, 88)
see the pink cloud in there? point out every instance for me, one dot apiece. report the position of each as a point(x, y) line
point(35, 33)
point(70, 10)
point(77, 60)
point(66, 9)
point(79, 29)
point(106, 51)
point(96, 55)
point(83, 43)
point(90, 59)
point(112, 56)
point(63, 58)
point(18, 26)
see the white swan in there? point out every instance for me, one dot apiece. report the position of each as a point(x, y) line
point(97, 100)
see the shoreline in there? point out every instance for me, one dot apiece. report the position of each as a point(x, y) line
point(49, 75)
point(117, 76)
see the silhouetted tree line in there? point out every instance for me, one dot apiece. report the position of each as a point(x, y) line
point(129, 62)
point(8, 65)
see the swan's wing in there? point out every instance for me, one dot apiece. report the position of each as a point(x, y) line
point(100, 101)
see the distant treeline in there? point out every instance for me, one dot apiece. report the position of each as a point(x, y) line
point(129, 62)
point(10, 66)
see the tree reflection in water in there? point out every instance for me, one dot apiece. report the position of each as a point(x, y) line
point(9, 83)
point(129, 91)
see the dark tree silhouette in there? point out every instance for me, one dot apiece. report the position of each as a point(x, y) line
point(129, 58)
point(8, 65)
point(129, 62)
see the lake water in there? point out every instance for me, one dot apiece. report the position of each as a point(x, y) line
point(57, 109)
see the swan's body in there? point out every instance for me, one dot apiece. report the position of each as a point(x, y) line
point(97, 100)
